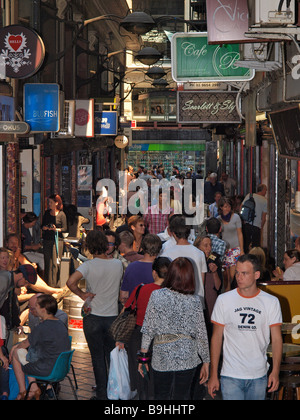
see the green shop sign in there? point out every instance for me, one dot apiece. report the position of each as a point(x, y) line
point(194, 60)
point(167, 147)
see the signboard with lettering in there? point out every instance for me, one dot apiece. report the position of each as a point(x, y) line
point(42, 107)
point(227, 21)
point(207, 107)
point(14, 127)
point(22, 52)
point(106, 123)
point(193, 60)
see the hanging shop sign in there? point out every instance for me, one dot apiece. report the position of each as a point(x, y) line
point(227, 21)
point(106, 123)
point(22, 52)
point(207, 107)
point(42, 107)
point(14, 127)
point(121, 141)
point(193, 60)
point(84, 118)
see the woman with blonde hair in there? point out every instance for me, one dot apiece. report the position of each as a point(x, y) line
point(260, 254)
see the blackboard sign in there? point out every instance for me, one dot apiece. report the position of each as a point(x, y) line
point(286, 129)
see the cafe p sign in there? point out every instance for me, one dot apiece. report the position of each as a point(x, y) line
point(22, 52)
point(194, 60)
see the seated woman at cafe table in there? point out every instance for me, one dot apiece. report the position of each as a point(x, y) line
point(291, 262)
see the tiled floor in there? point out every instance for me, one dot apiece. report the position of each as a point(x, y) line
point(84, 375)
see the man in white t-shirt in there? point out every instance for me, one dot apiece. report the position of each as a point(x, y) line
point(184, 248)
point(245, 318)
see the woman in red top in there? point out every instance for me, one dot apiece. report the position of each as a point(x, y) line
point(143, 386)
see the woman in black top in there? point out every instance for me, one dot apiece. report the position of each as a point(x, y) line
point(53, 225)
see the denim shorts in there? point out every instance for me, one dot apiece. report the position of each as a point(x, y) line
point(244, 389)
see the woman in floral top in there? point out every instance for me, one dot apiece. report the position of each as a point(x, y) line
point(174, 319)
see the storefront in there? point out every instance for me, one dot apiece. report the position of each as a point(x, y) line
point(186, 156)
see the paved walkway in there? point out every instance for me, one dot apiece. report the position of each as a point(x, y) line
point(84, 375)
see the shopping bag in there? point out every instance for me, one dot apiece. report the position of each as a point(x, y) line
point(118, 386)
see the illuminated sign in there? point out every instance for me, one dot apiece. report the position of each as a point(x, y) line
point(42, 107)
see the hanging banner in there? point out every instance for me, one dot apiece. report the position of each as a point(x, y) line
point(84, 118)
point(22, 52)
point(207, 107)
point(193, 60)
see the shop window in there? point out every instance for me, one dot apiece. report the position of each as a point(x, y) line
point(151, 106)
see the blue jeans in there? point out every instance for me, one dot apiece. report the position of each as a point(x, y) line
point(100, 344)
point(244, 389)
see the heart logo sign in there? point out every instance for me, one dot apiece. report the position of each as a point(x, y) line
point(15, 42)
point(22, 52)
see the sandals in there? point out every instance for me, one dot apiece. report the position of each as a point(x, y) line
point(21, 396)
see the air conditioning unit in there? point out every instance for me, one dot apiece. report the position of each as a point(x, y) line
point(275, 12)
point(68, 127)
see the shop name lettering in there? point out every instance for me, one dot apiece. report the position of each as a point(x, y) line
point(45, 114)
point(213, 107)
point(235, 17)
point(226, 61)
point(103, 121)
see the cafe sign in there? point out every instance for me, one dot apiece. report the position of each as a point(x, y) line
point(194, 60)
point(207, 107)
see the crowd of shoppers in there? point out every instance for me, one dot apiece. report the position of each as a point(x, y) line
point(190, 308)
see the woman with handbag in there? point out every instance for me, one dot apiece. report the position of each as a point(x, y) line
point(174, 320)
point(159, 271)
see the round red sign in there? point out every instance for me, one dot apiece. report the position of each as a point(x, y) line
point(82, 117)
point(22, 52)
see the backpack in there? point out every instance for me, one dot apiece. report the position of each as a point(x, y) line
point(248, 210)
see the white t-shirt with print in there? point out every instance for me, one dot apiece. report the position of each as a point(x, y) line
point(247, 323)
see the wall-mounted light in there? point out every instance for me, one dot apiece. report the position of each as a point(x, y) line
point(160, 83)
point(156, 72)
point(138, 23)
point(148, 56)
